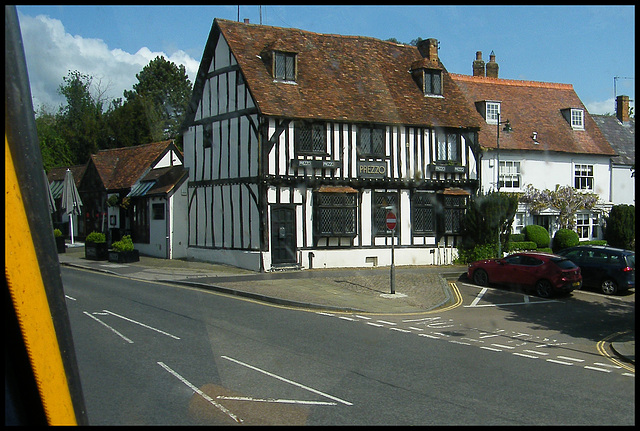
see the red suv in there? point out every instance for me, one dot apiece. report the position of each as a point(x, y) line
point(548, 274)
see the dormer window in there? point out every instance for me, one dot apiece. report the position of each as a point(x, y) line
point(432, 82)
point(284, 66)
point(575, 117)
point(492, 112)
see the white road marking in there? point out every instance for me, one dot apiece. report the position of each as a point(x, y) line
point(291, 382)
point(535, 352)
point(570, 359)
point(375, 324)
point(489, 336)
point(141, 324)
point(525, 355)
point(429, 336)
point(490, 348)
point(559, 362)
point(387, 323)
point(597, 369)
point(202, 394)
point(109, 327)
point(607, 365)
point(274, 400)
point(479, 297)
point(503, 346)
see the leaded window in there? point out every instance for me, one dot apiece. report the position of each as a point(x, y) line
point(284, 67)
point(371, 141)
point(424, 215)
point(454, 208)
point(336, 214)
point(432, 82)
point(381, 203)
point(448, 147)
point(310, 138)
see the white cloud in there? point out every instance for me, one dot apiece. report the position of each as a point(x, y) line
point(51, 53)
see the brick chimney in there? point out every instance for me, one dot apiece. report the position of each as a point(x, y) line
point(492, 66)
point(429, 49)
point(478, 65)
point(622, 108)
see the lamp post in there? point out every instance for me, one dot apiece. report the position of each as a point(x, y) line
point(507, 128)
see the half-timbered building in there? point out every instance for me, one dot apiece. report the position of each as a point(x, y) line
point(299, 144)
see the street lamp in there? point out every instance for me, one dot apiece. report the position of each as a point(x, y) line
point(507, 128)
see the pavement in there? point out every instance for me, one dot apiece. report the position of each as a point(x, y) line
point(417, 289)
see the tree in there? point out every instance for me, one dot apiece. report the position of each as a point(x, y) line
point(620, 229)
point(485, 216)
point(567, 200)
point(54, 149)
point(163, 92)
point(79, 123)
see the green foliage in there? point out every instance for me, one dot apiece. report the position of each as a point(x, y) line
point(95, 237)
point(514, 246)
point(565, 238)
point(478, 252)
point(54, 149)
point(485, 215)
point(57, 233)
point(565, 199)
point(125, 244)
point(537, 234)
point(620, 230)
point(517, 237)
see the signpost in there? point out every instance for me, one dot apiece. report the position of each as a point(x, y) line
point(391, 225)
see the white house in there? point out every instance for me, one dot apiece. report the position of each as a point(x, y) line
point(553, 141)
point(620, 131)
point(299, 144)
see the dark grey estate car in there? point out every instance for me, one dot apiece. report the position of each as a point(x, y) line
point(608, 269)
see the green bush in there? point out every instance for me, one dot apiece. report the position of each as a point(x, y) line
point(517, 237)
point(57, 233)
point(125, 244)
point(95, 237)
point(620, 230)
point(479, 252)
point(513, 246)
point(537, 234)
point(565, 238)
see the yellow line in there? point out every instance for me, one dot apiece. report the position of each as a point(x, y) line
point(29, 298)
point(601, 349)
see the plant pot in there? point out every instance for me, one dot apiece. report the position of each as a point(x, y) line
point(60, 244)
point(124, 256)
point(96, 251)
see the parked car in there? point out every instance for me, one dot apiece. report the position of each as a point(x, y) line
point(608, 269)
point(547, 274)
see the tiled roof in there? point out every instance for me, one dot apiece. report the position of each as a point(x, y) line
point(120, 168)
point(339, 78)
point(533, 107)
point(621, 136)
point(57, 174)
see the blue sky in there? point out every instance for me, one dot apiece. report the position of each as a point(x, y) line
point(586, 46)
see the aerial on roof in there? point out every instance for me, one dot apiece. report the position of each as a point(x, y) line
point(339, 78)
point(535, 113)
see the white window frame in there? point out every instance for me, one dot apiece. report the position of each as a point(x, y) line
point(492, 111)
point(584, 226)
point(582, 173)
point(577, 119)
point(518, 222)
point(510, 173)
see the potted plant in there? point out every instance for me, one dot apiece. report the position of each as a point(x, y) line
point(123, 252)
point(95, 246)
point(57, 234)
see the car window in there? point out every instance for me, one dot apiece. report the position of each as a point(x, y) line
point(514, 260)
point(574, 255)
point(563, 263)
point(615, 259)
point(531, 261)
point(631, 260)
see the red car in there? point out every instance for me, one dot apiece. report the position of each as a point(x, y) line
point(548, 274)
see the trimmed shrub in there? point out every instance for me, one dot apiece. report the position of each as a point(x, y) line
point(125, 244)
point(517, 237)
point(95, 237)
point(537, 234)
point(514, 246)
point(565, 238)
point(479, 252)
point(620, 230)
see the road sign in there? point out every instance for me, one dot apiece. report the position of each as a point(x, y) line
point(391, 221)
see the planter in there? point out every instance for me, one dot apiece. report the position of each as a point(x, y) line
point(60, 244)
point(124, 256)
point(96, 251)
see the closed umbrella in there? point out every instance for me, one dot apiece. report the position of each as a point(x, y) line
point(71, 201)
point(52, 202)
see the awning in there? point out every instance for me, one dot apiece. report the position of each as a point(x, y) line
point(141, 189)
point(336, 189)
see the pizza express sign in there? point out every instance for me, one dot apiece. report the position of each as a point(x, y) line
point(372, 169)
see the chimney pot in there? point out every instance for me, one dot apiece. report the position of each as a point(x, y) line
point(478, 65)
point(622, 108)
point(492, 66)
point(246, 20)
point(429, 49)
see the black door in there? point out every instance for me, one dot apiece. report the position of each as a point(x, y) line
point(283, 235)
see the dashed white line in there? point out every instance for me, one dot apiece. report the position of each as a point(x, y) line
point(555, 361)
point(535, 352)
point(490, 348)
point(525, 355)
point(429, 336)
point(597, 369)
point(110, 328)
point(375, 324)
point(503, 346)
point(399, 330)
point(570, 359)
point(387, 323)
point(141, 324)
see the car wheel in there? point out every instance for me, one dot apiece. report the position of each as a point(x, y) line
point(544, 289)
point(609, 287)
point(480, 277)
